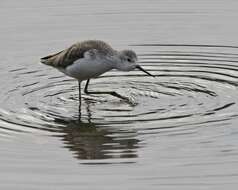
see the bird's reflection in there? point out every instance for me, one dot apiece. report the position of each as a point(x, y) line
point(90, 140)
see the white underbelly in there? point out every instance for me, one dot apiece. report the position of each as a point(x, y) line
point(84, 69)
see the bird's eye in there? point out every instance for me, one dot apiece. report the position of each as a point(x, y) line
point(129, 60)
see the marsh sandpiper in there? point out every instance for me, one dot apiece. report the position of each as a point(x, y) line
point(89, 59)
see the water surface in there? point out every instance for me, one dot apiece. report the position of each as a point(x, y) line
point(178, 130)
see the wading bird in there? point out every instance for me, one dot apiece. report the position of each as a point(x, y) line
point(89, 59)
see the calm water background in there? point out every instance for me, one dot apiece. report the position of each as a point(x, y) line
point(179, 131)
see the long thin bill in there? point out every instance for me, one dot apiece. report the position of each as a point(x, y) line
point(143, 70)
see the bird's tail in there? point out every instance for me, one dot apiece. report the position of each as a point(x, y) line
point(44, 60)
point(47, 60)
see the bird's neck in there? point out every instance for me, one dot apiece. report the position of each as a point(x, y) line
point(113, 61)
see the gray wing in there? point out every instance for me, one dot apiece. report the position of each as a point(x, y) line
point(68, 56)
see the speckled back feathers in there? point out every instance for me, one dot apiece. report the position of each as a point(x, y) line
point(76, 51)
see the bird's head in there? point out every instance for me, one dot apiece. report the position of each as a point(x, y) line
point(128, 62)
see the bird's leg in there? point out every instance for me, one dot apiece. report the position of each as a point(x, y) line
point(79, 83)
point(103, 92)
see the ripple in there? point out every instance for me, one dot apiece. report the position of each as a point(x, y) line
point(195, 86)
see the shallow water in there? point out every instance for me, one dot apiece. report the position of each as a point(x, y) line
point(178, 130)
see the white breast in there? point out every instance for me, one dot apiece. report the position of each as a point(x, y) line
point(83, 69)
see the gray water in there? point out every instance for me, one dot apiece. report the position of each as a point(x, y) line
point(179, 130)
